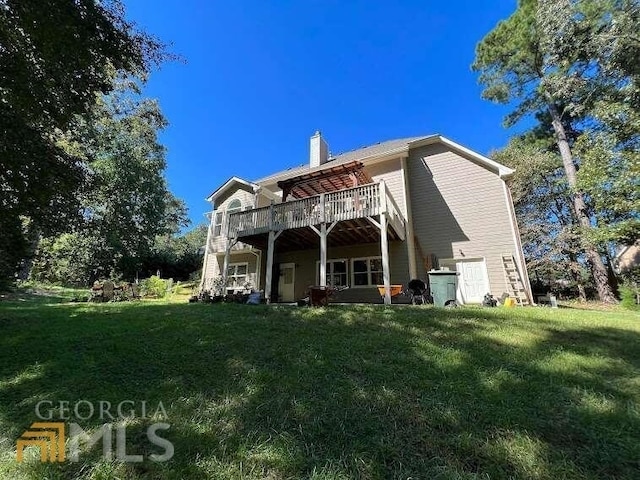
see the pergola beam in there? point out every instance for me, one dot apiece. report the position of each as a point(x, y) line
point(331, 178)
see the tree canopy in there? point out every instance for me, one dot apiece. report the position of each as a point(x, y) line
point(572, 67)
point(57, 57)
point(125, 203)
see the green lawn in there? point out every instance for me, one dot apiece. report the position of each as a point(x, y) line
point(344, 392)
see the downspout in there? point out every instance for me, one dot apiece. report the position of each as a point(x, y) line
point(258, 255)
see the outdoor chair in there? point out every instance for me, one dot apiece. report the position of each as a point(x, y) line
point(417, 291)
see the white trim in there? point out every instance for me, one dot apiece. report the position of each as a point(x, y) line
point(214, 216)
point(353, 272)
point(228, 183)
point(502, 170)
point(236, 265)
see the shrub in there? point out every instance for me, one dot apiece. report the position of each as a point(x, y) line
point(629, 296)
point(153, 286)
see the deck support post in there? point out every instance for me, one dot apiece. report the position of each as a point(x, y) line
point(384, 247)
point(323, 255)
point(323, 233)
point(273, 235)
point(384, 243)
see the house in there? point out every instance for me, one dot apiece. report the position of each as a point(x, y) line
point(378, 215)
point(627, 258)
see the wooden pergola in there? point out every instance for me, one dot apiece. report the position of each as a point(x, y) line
point(330, 179)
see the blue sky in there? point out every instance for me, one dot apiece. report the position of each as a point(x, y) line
point(261, 76)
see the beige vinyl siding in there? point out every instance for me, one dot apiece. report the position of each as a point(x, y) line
point(211, 272)
point(459, 210)
point(390, 171)
point(263, 201)
point(245, 196)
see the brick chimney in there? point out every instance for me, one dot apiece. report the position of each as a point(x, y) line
point(318, 150)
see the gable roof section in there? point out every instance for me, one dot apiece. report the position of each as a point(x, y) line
point(388, 148)
point(228, 184)
point(502, 170)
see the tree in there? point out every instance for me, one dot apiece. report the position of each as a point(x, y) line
point(542, 201)
point(546, 60)
point(125, 203)
point(56, 57)
point(177, 255)
point(599, 42)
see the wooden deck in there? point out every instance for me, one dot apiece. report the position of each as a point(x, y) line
point(352, 206)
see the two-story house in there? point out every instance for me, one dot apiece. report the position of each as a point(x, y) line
point(378, 215)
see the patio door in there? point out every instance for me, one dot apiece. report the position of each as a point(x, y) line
point(286, 283)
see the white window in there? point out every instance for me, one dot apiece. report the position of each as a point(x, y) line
point(217, 223)
point(337, 275)
point(366, 271)
point(237, 275)
point(235, 205)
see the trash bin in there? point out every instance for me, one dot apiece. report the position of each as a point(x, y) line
point(443, 285)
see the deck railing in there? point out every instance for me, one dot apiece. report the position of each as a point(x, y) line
point(358, 202)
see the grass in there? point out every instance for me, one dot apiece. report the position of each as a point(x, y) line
point(345, 392)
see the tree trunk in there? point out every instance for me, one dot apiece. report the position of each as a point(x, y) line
point(574, 268)
point(598, 269)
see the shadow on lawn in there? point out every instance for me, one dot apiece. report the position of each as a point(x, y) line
point(360, 392)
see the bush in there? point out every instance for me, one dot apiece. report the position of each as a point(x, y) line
point(629, 296)
point(154, 286)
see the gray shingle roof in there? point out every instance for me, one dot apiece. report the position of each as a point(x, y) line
point(378, 149)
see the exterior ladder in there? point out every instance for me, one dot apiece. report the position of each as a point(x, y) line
point(515, 285)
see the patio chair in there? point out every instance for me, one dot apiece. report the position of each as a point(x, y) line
point(417, 291)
